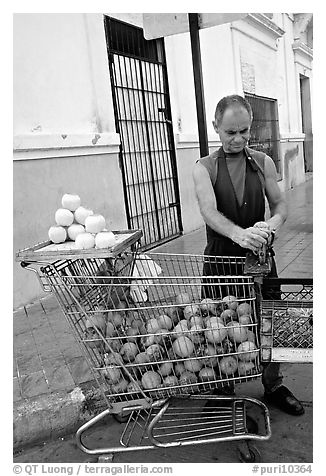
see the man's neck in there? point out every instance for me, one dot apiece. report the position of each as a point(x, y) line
point(235, 155)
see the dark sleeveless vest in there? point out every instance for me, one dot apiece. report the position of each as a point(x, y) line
point(251, 211)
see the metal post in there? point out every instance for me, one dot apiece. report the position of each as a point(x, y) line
point(198, 80)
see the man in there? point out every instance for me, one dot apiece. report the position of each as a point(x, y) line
point(231, 185)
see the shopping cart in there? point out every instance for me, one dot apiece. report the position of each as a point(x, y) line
point(162, 341)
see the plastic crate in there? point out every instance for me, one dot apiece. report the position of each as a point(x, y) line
point(287, 323)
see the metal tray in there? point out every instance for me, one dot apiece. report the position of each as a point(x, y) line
point(48, 251)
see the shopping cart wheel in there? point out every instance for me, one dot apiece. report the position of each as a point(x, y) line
point(248, 453)
point(121, 418)
point(107, 458)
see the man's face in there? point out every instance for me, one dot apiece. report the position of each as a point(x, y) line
point(234, 129)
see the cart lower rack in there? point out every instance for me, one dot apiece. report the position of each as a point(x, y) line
point(184, 422)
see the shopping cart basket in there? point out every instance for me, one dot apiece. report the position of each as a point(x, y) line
point(159, 347)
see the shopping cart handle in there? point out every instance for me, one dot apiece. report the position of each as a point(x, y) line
point(289, 281)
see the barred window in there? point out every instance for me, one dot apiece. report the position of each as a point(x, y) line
point(264, 135)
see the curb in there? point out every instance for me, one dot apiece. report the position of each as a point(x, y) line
point(50, 416)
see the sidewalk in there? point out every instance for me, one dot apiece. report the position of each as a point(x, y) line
point(52, 385)
point(293, 246)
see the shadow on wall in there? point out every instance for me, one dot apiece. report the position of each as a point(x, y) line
point(290, 167)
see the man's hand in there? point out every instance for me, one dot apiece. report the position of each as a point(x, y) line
point(263, 225)
point(252, 238)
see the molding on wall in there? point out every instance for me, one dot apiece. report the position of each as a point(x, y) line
point(292, 137)
point(191, 141)
point(290, 16)
point(302, 24)
point(265, 24)
point(42, 146)
point(262, 24)
point(300, 49)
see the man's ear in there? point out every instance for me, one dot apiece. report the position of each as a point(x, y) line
point(215, 126)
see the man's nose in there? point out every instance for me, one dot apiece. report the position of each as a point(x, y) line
point(238, 137)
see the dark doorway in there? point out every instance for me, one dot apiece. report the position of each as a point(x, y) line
point(264, 133)
point(306, 122)
point(143, 119)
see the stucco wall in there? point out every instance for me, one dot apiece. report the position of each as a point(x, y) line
point(64, 131)
point(292, 163)
point(38, 188)
point(61, 80)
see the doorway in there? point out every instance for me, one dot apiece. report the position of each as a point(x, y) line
point(306, 122)
point(143, 119)
point(264, 132)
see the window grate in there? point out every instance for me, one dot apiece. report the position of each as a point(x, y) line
point(264, 133)
point(143, 120)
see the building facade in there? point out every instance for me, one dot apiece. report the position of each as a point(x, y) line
point(100, 112)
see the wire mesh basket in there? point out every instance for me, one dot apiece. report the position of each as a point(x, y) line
point(153, 326)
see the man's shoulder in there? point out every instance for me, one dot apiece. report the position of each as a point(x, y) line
point(210, 163)
point(210, 160)
point(211, 157)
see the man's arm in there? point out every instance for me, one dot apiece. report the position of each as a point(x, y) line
point(251, 238)
point(274, 196)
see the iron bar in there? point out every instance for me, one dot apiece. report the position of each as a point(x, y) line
point(139, 89)
point(198, 82)
point(143, 120)
point(134, 56)
point(144, 151)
